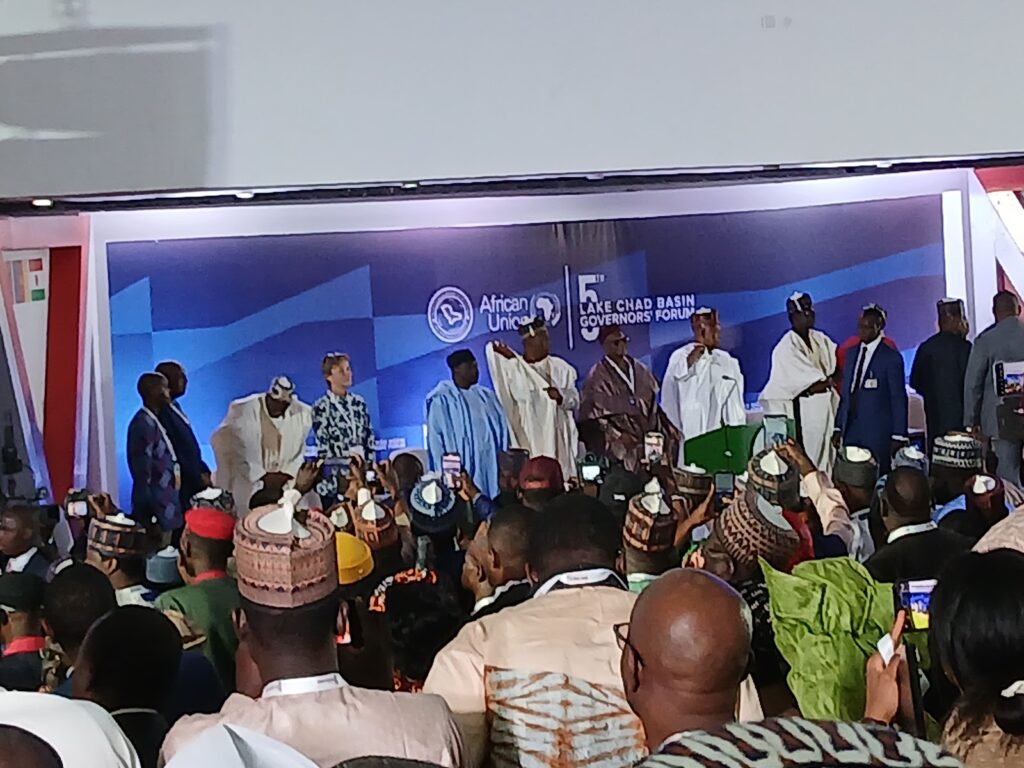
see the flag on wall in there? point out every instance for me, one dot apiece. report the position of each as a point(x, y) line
point(28, 280)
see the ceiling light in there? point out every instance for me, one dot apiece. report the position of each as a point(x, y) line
point(42, 202)
point(246, 194)
point(411, 185)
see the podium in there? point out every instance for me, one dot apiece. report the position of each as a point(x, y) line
point(728, 449)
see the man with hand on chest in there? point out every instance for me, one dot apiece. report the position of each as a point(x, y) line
point(873, 409)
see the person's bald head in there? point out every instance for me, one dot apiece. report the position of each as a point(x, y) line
point(1005, 304)
point(20, 748)
point(907, 498)
point(689, 647)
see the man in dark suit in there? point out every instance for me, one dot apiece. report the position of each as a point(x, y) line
point(20, 541)
point(195, 475)
point(873, 409)
point(1002, 342)
point(915, 547)
point(938, 372)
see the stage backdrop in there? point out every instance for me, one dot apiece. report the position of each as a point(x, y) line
point(237, 311)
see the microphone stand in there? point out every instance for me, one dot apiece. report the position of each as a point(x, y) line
point(721, 415)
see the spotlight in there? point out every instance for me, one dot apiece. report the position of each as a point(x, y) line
point(43, 202)
point(411, 185)
point(247, 194)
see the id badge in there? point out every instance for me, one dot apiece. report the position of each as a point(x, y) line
point(177, 476)
point(870, 383)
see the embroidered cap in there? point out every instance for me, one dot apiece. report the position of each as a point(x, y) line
point(958, 450)
point(282, 563)
point(214, 498)
point(282, 388)
point(855, 467)
point(650, 525)
point(373, 523)
point(753, 527)
point(432, 504)
point(774, 479)
point(118, 536)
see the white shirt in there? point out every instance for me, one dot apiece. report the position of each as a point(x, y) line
point(18, 564)
point(868, 351)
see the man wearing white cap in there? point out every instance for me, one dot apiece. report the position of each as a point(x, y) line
point(703, 387)
point(800, 385)
point(262, 438)
point(538, 392)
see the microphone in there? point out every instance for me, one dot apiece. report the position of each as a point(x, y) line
point(721, 410)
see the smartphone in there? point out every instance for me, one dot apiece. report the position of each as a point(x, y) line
point(78, 509)
point(589, 472)
point(654, 447)
point(310, 453)
point(451, 469)
point(725, 485)
point(336, 467)
point(776, 430)
point(371, 476)
point(914, 596)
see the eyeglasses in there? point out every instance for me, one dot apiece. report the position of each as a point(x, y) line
point(622, 637)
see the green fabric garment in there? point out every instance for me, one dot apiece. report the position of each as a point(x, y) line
point(828, 616)
point(209, 606)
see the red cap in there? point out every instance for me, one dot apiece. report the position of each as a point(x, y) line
point(541, 472)
point(210, 523)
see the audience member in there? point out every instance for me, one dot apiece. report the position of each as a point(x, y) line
point(82, 733)
point(76, 598)
point(20, 541)
point(798, 743)
point(538, 393)
point(619, 406)
point(20, 748)
point(117, 547)
point(467, 419)
point(21, 632)
point(133, 685)
point(288, 580)
point(1001, 342)
point(939, 369)
point(152, 461)
point(985, 505)
point(540, 480)
point(210, 595)
point(617, 489)
point(649, 537)
point(831, 503)
point(214, 498)
point(855, 475)
point(195, 474)
point(685, 652)
point(956, 458)
point(500, 671)
point(916, 548)
point(422, 618)
point(232, 746)
point(261, 440)
point(501, 549)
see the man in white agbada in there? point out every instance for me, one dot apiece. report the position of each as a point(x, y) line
point(703, 387)
point(262, 438)
point(538, 392)
point(800, 383)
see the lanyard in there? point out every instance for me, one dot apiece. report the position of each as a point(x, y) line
point(181, 414)
point(163, 432)
point(910, 530)
point(630, 379)
point(299, 685)
point(587, 578)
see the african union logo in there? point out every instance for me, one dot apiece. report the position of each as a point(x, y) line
point(450, 314)
point(548, 306)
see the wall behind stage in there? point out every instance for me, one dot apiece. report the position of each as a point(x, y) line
point(238, 310)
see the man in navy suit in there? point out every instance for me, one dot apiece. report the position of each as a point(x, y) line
point(195, 475)
point(873, 409)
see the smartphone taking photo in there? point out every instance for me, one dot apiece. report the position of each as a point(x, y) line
point(914, 596)
point(451, 470)
point(654, 447)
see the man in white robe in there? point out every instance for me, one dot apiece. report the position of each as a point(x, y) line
point(703, 387)
point(800, 385)
point(262, 438)
point(538, 392)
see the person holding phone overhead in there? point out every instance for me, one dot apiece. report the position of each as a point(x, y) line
point(620, 405)
point(703, 384)
point(538, 392)
point(467, 419)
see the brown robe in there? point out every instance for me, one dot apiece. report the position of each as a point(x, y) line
point(613, 420)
